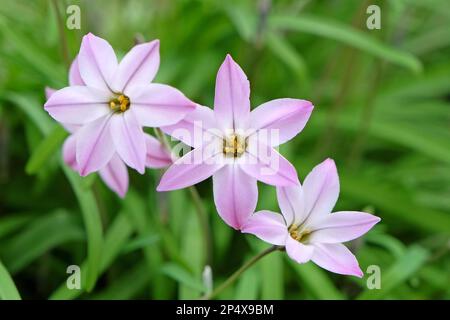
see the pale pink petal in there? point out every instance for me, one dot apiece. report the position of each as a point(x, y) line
point(94, 145)
point(268, 226)
point(335, 257)
point(232, 97)
point(69, 152)
point(235, 195)
point(157, 156)
point(321, 190)
point(282, 119)
point(129, 139)
point(159, 105)
point(138, 67)
point(77, 105)
point(195, 128)
point(49, 92)
point(74, 74)
point(72, 128)
point(192, 168)
point(298, 251)
point(115, 175)
point(291, 202)
point(268, 166)
point(342, 226)
point(97, 62)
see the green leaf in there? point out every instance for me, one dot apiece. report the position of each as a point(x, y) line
point(248, 286)
point(271, 276)
point(8, 290)
point(117, 235)
point(93, 225)
point(126, 285)
point(287, 54)
point(316, 281)
point(40, 236)
point(11, 223)
point(48, 147)
point(32, 109)
point(182, 276)
point(345, 34)
point(394, 203)
point(405, 267)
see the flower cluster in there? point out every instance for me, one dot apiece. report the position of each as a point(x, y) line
point(107, 104)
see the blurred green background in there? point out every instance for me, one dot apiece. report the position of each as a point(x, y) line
point(382, 111)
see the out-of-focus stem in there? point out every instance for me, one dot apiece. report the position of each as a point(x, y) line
point(62, 34)
point(199, 208)
point(238, 272)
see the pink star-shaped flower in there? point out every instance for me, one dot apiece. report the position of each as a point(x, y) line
point(307, 229)
point(114, 102)
point(115, 172)
point(236, 146)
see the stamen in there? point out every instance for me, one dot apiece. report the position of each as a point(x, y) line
point(300, 236)
point(234, 146)
point(120, 104)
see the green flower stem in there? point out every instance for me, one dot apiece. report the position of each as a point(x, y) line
point(239, 271)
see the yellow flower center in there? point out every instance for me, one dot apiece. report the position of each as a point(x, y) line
point(299, 235)
point(234, 146)
point(120, 104)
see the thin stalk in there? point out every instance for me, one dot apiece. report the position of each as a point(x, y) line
point(62, 34)
point(199, 208)
point(239, 272)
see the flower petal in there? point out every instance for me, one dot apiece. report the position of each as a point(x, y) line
point(321, 190)
point(268, 226)
point(77, 105)
point(129, 140)
point(268, 166)
point(335, 257)
point(157, 155)
point(235, 195)
point(74, 74)
point(195, 128)
point(115, 175)
point(291, 202)
point(159, 105)
point(298, 251)
point(232, 97)
point(69, 152)
point(287, 116)
point(192, 168)
point(97, 62)
point(342, 226)
point(94, 145)
point(138, 67)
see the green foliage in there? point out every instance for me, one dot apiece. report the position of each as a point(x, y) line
point(382, 111)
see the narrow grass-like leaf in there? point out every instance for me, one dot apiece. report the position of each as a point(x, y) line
point(40, 236)
point(401, 270)
point(48, 147)
point(115, 239)
point(93, 225)
point(316, 281)
point(182, 276)
point(271, 276)
point(8, 290)
point(345, 34)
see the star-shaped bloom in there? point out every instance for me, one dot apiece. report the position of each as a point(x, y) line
point(115, 172)
point(114, 102)
point(236, 146)
point(308, 229)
